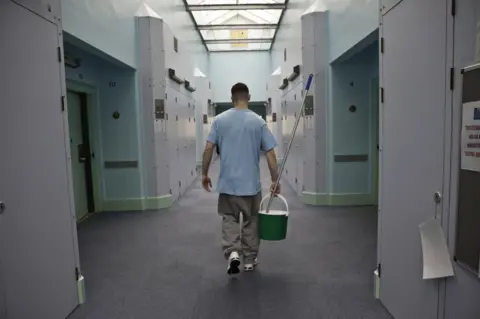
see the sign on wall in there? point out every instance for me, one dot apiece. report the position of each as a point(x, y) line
point(471, 136)
point(467, 243)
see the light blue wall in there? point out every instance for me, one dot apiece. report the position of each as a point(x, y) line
point(105, 24)
point(352, 132)
point(109, 26)
point(228, 68)
point(349, 22)
point(116, 140)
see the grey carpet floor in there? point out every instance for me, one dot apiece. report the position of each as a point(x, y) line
point(168, 265)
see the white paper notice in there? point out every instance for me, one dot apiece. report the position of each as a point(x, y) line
point(471, 136)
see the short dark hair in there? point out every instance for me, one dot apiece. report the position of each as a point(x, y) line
point(240, 91)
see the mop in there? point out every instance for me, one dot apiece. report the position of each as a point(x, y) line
point(273, 224)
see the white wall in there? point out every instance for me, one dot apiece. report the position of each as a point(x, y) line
point(228, 68)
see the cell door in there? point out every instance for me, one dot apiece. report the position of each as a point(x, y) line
point(374, 138)
point(37, 235)
point(412, 150)
point(3, 307)
point(80, 154)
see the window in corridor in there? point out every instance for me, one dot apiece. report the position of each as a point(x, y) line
point(237, 25)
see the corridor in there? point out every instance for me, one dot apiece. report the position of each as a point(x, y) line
point(168, 264)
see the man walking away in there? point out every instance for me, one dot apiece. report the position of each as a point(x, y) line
point(242, 136)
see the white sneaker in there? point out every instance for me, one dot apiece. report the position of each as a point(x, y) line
point(250, 266)
point(233, 263)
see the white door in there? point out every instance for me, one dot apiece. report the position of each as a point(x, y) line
point(412, 150)
point(37, 226)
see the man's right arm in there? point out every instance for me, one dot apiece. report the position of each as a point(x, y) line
point(268, 145)
point(272, 164)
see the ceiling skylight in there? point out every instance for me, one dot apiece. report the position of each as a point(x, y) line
point(237, 25)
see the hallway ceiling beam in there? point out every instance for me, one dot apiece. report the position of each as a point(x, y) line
point(279, 25)
point(236, 26)
point(225, 51)
point(222, 41)
point(185, 3)
point(243, 6)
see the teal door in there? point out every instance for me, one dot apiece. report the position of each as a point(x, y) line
point(80, 154)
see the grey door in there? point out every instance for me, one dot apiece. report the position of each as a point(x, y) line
point(413, 150)
point(37, 237)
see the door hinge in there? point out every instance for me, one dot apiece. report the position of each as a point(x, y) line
point(382, 45)
point(454, 7)
point(379, 270)
point(452, 78)
point(59, 54)
point(77, 273)
point(382, 95)
point(63, 103)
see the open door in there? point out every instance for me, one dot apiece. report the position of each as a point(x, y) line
point(37, 237)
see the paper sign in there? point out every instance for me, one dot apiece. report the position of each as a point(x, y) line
point(470, 157)
point(436, 258)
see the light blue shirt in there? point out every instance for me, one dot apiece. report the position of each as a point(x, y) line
point(241, 136)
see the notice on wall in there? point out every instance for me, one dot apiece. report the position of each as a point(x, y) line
point(471, 136)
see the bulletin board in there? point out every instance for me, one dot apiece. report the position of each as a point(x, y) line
point(467, 247)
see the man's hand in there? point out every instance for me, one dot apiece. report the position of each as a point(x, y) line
point(207, 183)
point(277, 191)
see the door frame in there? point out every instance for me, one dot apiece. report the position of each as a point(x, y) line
point(91, 94)
point(374, 88)
point(252, 105)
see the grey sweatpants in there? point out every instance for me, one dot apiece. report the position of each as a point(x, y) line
point(244, 238)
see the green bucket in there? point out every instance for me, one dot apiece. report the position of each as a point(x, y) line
point(273, 225)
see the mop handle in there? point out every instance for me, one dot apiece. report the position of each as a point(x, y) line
point(297, 120)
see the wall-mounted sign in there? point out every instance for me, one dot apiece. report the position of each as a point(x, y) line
point(471, 136)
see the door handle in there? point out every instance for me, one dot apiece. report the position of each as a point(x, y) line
point(2, 207)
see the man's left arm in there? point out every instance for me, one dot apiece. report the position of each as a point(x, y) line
point(212, 140)
point(207, 157)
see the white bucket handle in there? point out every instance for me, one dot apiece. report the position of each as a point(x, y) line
point(279, 196)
